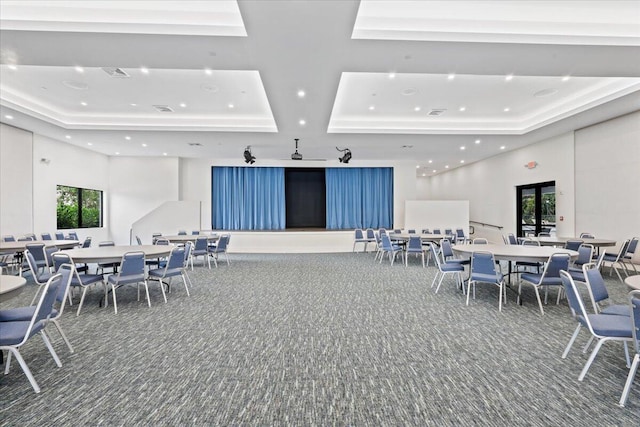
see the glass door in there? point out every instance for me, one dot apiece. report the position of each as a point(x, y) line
point(536, 207)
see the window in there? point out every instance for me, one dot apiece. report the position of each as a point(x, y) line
point(78, 207)
point(536, 208)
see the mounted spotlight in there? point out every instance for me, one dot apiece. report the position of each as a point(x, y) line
point(346, 156)
point(248, 157)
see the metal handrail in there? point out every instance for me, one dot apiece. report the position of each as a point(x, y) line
point(484, 224)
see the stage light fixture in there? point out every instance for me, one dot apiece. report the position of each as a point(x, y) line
point(248, 157)
point(346, 156)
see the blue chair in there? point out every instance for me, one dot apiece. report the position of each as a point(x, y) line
point(512, 239)
point(45, 236)
point(15, 334)
point(550, 276)
point(585, 255)
point(40, 278)
point(414, 246)
point(631, 250)
point(426, 231)
point(411, 231)
point(603, 327)
point(73, 236)
point(460, 237)
point(182, 233)
point(201, 248)
point(370, 235)
point(617, 259)
point(175, 266)
point(445, 268)
point(131, 271)
point(587, 236)
point(388, 248)
point(359, 238)
point(195, 232)
point(102, 265)
point(221, 248)
point(82, 281)
point(483, 271)
point(8, 238)
point(188, 248)
point(436, 231)
point(59, 235)
point(599, 294)
point(448, 255)
point(39, 257)
point(634, 301)
point(573, 244)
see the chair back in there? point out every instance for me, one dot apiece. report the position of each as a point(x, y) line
point(528, 242)
point(188, 247)
point(634, 300)
point(132, 265)
point(412, 231)
point(33, 265)
point(60, 258)
point(59, 235)
point(426, 231)
point(512, 239)
point(371, 235)
point(358, 234)
point(37, 251)
point(223, 241)
point(436, 231)
point(544, 234)
point(480, 241)
point(397, 231)
point(445, 246)
point(45, 236)
point(631, 249)
point(48, 252)
point(585, 254)
point(182, 233)
point(415, 244)
point(460, 233)
point(176, 258)
point(435, 255)
point(44, 307)
point(556, 263)
point(382, 231)
point(162, 242)
point(66, 271)
point(573, 244)
point(87, 242)
point(106, 243)
point(8, 238)
point(139, 240)
point(201, 243)
point(448, 231)
point(195, 232)
point(73, 235)
point(595, 283)
point(482, 263)
point(587, 236)
point(386, 242)
point(573, 296)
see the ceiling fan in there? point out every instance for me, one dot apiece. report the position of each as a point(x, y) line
point(297, 156)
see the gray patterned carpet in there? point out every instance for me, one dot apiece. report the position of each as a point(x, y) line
point(317, 339)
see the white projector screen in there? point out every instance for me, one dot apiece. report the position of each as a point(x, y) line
point(420, 214)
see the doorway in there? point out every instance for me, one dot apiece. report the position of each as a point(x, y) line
point(536, 208)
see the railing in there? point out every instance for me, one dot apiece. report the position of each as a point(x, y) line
point(484, 224)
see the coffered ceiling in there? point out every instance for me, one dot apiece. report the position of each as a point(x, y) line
point(412, 80)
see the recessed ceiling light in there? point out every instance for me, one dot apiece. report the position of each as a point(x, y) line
point(433, 171)
point(446, 166)
point(164, 154)
point(144, 145)
point(84, 104)
point(89, 143)
point(183, 105)
point(424, 174)
point(430, 161)
point(507, 109)
point(508, 77)
point(478, 141)
point(502, 147)
point(127, 137)
point(230, 106)
point(418, 167)
point(302, 122)
point(566, 78)
point(463, 147)
point(13, 67)
point(8, 117)
point(372, 107)
point(417, 109)
point(451, 76)
point(461, 161)
point(79, 69)
point(392, 75)
point(144, 70)
point(68, 136)
point(301, 93)
point(133, 104)
point(462, 108)
point(117, 152)
point(208, 71)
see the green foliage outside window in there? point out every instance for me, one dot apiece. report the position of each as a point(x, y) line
point(78, 207)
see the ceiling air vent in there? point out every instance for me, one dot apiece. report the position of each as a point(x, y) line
point(436, 112)
point(195, 144)
point(163, 108)
point(115, 72)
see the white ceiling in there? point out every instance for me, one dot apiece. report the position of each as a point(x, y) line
point(372, 73)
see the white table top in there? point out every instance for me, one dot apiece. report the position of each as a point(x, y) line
point(182, 238)
point(10, 286)
point(633, 281)
point(405, 236)
point(550, 241)
point(115, 253)
point(514, 252)
point(20, 246)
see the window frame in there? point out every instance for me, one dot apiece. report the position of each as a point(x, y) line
point(79, 203)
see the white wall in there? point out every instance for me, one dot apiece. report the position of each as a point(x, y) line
point(195, 181)
point(137, 185)
point(608, 178)
point(16, 181)
point(490, 185)
point(66, 164)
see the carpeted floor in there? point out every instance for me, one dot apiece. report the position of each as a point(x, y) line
point(318, 339)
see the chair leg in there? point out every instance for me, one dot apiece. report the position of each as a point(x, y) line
point(23, 365)
point(571, 341)
point(115, 304)
point(45, 338)
point(164, 295)
point(440, 282)
point(469, 290)
point(539, 300)
point(630, 377)
point(146, 288)
point(186, 288)
point(588, 344)
point(592, 357)
point(84, 292)
point(63, 335)
point(433, 282)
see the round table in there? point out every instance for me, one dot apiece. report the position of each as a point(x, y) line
point(10, 247)
point(424, 237)
point(107, 254)
point(633, 282)
point(552, 241)
point(182, 238)
point(513, 252)
point(10, 286)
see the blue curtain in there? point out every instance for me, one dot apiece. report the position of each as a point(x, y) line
point(359, 198)
point(247, 198)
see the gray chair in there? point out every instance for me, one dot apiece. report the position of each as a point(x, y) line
point(550, 276)
point(483, 270)
point(59, 235)
point(201, 248)
point(634, 309)
point(131, 272)
point(45, 236)
point(445, 268)
point(175, 267)
point(616, 260)
point(220, 248)
point(82, 281)
point(359, 237)
point(414, 246)
point(40, 278)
